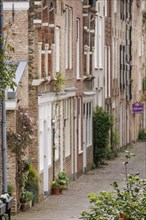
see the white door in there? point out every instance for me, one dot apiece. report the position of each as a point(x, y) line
point(84, 138)
point(61, 136)
point(47, 139)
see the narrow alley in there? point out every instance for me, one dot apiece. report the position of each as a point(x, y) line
point(74, 200)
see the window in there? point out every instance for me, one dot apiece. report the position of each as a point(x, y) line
point(96, 45)
point(128, 9)
point(78, 48)
point(121, 67)
point(57, 49)
point(100, 41)
point(68, 37)
point(87, 111)
point(79, 125)
point(40, 59)
point(122, 9)
point(115, 6)
point(109, 71)
point(67, 127)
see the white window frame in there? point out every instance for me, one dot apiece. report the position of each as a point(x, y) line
point(100, 41)
point(106, 71)
point(66, 38)
point(79, 124)
point(109, 71)
point(57, 49)
point(96, 44)
point(40, 59)
point(67, 128)
point(70, 37)
point(115, 6)
point(78, 48)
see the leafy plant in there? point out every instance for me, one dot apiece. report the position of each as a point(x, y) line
point(63, 179)
point(19, 141)
point(142, 134)
point(7, 67)
point(26, 196)
point(10, 188)
point(144, 15)
point(102, 123)
point(127, 202)
point(55, 184)
point(115, 138)
point(58, 81)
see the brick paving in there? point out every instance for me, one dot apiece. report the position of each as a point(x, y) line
point(69, 205)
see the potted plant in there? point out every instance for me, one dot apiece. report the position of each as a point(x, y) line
point(56, 189)
point(7, 199)
point(63, 180)
point(2, 207)
point(26, 200)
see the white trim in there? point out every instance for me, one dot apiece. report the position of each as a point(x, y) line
point(10, 105)
point(17, 5)
point(50, 97)
point(37, 3)
point(37, 21)
point(45, 24)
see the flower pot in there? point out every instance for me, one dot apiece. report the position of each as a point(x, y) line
point(26, 206)
point(56, 191)
point(2, 208)
point(9, 203)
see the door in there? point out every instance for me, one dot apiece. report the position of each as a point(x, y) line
point(47, 145)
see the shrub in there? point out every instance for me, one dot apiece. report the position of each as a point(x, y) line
point(26, 196)
point(102, 123)
point(142, 134)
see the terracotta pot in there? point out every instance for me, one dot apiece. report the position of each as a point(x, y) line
point(56, 191)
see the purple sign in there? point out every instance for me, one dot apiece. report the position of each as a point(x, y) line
point(137, 108)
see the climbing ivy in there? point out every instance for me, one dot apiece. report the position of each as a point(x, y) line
point(102, 123)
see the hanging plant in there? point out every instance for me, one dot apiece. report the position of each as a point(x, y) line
point(58, 81)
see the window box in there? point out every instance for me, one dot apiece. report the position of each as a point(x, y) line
point(2, 208)
point(8, 202)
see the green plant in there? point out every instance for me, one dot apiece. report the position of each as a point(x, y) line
point(144, 15)
point(55, 184)
point(58, 81)
point(32, 177)
point(115, 138)
point(102, 123)
point(7, 67)
point(10, 188)
point(19, 141)
point(142, 134)
point(127, 202)
point(26, 196)
point(63, 179)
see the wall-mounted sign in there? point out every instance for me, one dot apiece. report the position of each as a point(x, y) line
point(137, 108)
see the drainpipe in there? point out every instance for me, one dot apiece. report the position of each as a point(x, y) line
point(4, 144)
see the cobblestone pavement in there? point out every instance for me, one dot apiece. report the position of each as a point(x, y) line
point(69, 205)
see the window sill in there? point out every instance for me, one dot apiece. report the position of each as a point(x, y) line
point(79, 78)
point(80, 151)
